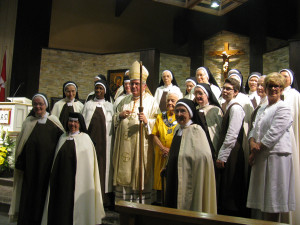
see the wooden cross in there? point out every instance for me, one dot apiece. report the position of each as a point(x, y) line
point(226, 54)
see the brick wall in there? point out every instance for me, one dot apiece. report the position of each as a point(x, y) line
point(179, 65)
point(59, 66)
point(215, 63)
point(276, 60)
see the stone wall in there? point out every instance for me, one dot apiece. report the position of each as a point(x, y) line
point(59, 66)
point(179, 65)
point(276, 60)
point(215, 63)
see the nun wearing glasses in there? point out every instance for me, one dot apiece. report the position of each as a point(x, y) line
point(247, 106)
point(69, 103)
point(35, 149)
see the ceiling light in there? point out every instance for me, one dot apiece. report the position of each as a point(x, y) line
point(215, 3)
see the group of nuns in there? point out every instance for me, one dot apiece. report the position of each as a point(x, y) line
point(60, 172)
point(253, 135)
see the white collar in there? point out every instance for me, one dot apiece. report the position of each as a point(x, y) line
point(43, 119)
point(168, 86)
point(202, 107)
point(67, 100)
point(181, 127)
point(99, 100)
point(71, 135)
point(286, 89)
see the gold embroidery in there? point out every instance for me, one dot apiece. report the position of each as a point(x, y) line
point(125, 157)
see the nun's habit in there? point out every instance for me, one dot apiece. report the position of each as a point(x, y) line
point(92, 94)
point(121, 96)
point(253, 96)
point(212, 82)
point(98, 114)
point(245, 102)
point(63, 107)
point(162, 91)
point(291, 96)
point(74, 193)
point(212, 114)
point(35, 149)
point(190, 181)
point(190, 95)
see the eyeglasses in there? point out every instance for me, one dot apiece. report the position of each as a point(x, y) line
point(275, 86)
point(227, 88)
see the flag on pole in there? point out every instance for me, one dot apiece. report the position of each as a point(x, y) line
point(3, 79)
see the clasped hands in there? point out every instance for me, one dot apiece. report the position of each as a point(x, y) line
point(165, 151)
point(124, 114)
point(254, 148)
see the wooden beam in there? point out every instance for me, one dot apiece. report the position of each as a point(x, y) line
point(206, 10)
point(192, 3)
point(135, 213)
point(172, 2)
point(229, 8)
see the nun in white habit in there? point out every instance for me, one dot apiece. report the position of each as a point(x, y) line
point(69, 103)
point(74, 192)
point(203, 75)
point(167, 83)
point(291, 96)
point(190, 84)
point(251, 88)
point(98, 114)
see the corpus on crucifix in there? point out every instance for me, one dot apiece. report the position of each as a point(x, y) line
point(226, 54)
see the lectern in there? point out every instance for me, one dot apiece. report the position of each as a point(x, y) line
point(12, 114)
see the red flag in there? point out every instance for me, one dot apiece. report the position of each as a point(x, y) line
point(3, 79)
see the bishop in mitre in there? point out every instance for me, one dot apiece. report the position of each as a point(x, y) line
point(127, 147)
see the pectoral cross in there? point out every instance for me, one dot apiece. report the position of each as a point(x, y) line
point(226, 54)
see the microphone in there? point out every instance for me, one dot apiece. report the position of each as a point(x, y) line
point(18, 89)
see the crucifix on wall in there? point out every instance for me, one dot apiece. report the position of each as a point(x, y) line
point(226, 54)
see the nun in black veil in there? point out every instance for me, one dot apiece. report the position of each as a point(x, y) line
point(203, 75)
point(69, 103)
point(209, 109)
point(251, 88)
point(74, 192)
point(190, 173)
point(167, 84)
point(98, 113)
point(35, 149)
point(291, 96)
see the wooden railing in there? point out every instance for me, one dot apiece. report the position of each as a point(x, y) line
point(140, 214)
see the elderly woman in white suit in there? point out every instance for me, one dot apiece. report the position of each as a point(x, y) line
point(272, 182)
